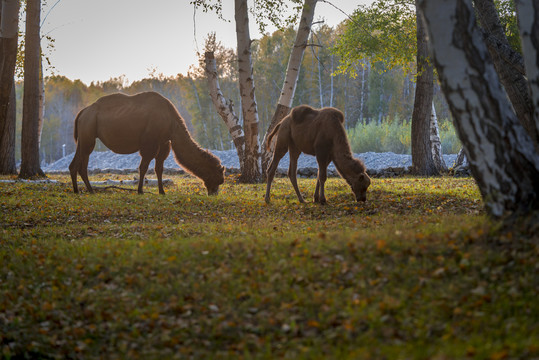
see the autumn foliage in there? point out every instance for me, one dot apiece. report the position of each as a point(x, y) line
point(415, 272)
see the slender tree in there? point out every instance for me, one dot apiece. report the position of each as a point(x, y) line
point(30, 136)
point(225, 107)
point(512, 77)
point(389, 32)
point(422, 159)
point(9, 27)
point(251, 167)
point(528, 14)
point(500, 152)
point(291, 78)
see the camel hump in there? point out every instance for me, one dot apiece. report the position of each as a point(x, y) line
point(332, 113)
point(303, 112)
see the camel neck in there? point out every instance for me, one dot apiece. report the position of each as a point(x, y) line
point(189, 154)
point(344, 160)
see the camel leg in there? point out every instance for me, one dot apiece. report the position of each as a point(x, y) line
point(74, 169)
point(323, 162)
point(280, 151)
point(293, 170)
point(164, 150)
point(316, 191)
point(83, 171)
point(148, 151)
point(143, 168)
point(85, 148)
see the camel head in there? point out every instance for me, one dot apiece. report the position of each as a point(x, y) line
point(212, 184)
point(360, 185)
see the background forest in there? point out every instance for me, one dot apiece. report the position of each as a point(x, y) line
point(377, 103)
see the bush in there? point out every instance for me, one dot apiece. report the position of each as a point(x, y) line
point(396, 137)
point(385, 137)
point(450, 141)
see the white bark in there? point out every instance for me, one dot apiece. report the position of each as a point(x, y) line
point(331, 83)
point(251, 171)
point(528, 19)
point(435, 141)
point(225, 108)
point(296, 56)
point(500, 152)
point(291, 77)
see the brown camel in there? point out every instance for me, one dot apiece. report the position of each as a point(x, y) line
point(147, 123)
point(318, 132)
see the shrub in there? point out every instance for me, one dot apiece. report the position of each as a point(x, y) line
point(388, 136)
point(395, 136)
point(450, 141)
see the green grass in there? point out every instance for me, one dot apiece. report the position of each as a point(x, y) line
point(416, 272)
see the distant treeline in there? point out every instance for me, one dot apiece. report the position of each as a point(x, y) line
point(374, 95)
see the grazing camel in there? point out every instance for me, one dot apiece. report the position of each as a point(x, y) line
point(318, 132)
point(148, 123)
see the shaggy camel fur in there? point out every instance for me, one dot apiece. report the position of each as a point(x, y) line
point(318, 132)
point(147, 123)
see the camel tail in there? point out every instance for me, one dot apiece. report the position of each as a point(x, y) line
point(275, 131)
point(76, 126)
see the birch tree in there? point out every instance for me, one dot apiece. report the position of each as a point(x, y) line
point(500, 152)
point(251, 167)
point(9, 26)
point(528, 14)
point(291, 78)
point(389, 32)
point(225, 108)
point(508, 64)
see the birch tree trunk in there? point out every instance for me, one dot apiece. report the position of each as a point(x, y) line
point(511, 78)
point(528, 19)
point(225, 108)
point(436, 143)
point(30, 166)
point(500, 152)
point(461, 157)
point(422, 155)
point(251, 168)
point(291, 78)
point(9, 26)
point(195, 91)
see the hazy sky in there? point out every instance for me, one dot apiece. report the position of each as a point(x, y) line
point(99, 39)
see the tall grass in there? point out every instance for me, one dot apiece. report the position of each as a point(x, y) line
point(395, 136)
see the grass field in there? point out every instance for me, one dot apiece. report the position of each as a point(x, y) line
point(416, 272)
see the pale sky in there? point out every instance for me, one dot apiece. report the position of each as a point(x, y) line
point(99, 39)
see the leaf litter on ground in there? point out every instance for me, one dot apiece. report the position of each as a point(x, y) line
point(417, 271)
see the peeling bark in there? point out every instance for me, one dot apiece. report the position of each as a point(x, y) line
point(508, 65)
point(251, 170)
point(436, 143)
point(225, 108)
point(501, 154)
point(528, 19)
point(291, 78)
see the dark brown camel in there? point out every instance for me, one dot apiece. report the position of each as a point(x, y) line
point(147, 123)
point(318, 132)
